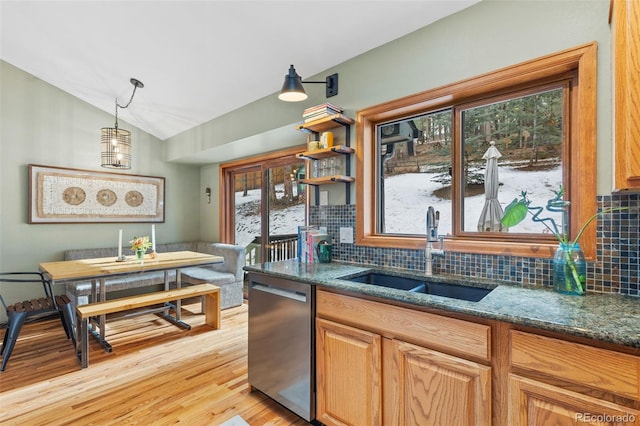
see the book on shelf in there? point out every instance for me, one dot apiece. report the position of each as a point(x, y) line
point(308, 239)
point(320, 111)
point(322, 107)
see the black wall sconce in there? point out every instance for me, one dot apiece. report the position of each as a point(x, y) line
point(293, 91)
point(207, 192)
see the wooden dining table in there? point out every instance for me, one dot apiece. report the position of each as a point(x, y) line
point(98, 270)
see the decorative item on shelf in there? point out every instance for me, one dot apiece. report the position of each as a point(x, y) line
point(140, 245)
point(320, 111)
point(314, 146)
point(326, 140)
point(115, 142)
point(569, 264)
point(293, 91)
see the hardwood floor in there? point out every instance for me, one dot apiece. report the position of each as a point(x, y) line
point(157, 374)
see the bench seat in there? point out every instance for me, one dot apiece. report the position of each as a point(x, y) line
point(211, 303)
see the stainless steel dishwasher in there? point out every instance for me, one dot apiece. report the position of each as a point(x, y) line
point(281, 342)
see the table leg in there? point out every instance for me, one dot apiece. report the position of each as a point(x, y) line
point(98, 324)
point(178, 304)
point(83, 338)
point(177, 319)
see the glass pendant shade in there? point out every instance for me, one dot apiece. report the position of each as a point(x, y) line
point(116, 148)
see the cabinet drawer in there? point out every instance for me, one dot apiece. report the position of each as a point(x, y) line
point(429, 330)
point(585, 365)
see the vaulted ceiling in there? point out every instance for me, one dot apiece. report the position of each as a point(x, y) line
point(197, 59)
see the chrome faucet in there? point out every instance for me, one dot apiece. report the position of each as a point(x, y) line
point(433, 218)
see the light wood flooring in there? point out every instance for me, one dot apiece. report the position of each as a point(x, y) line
point(157, 374)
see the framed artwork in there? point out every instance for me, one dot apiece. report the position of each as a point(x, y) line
point(61, 195)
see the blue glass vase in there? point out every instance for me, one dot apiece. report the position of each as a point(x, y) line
point(569, 269)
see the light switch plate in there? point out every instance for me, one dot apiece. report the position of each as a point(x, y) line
point(346, 235)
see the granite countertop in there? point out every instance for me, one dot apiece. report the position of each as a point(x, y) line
point(605, 317)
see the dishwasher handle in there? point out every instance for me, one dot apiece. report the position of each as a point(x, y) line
point(279, 291)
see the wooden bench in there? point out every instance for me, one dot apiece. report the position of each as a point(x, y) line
point(84, 313)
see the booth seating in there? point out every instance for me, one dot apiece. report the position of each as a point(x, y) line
point(228, 275)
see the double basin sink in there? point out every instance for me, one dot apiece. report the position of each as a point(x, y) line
point(421, 285)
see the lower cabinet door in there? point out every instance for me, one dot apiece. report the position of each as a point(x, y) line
point(348, 375)
point(425, 387)
point(535, 403)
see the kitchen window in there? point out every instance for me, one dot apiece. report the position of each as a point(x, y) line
point(428, 149)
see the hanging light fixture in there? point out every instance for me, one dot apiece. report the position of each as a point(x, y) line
point(293, 91)
point(115, 142)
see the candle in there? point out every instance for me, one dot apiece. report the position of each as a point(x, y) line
point(120, 244)
point(153, 237)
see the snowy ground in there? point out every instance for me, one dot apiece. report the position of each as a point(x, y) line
point(282, 221)
point(409, 197)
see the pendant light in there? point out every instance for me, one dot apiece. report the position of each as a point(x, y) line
point(115, 142)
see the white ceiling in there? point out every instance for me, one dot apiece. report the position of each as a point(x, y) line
point(197, 59)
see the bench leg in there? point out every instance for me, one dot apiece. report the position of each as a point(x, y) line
point(212, 309)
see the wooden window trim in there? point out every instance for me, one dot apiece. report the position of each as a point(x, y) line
point(582, 154)
point(250, 164)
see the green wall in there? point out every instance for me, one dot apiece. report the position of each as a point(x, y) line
point(41, 124)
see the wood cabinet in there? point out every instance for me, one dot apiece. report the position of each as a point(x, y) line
point(348, 375)
point(558, 382)
point(376, 365)
point(331, 174)
point(382, 364)
point(427, 387)
point(535, 403)
point(625, 24)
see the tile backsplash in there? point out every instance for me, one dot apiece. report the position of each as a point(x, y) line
point(615, 270)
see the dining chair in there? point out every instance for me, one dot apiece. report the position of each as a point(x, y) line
point(18, 312)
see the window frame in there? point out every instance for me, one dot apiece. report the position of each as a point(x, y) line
point(581, 153)
point(227, 192)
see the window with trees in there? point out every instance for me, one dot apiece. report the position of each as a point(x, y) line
point(469, 148)
point(263, 202)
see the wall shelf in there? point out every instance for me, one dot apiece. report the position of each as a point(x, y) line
point(325, 123)
point(326, 180)
point(325, 153)
point(313, 129)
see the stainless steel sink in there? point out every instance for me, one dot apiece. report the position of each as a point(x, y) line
point(421, 285)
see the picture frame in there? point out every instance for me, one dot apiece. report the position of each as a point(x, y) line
point(66, 195)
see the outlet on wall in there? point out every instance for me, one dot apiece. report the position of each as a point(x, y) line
point(346, 235)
